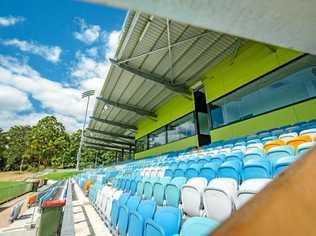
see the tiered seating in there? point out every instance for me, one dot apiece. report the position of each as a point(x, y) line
point(194, 190)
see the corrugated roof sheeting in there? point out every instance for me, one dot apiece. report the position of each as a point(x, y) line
point(143, 34)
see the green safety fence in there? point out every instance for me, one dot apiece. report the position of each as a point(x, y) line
point(11, 190)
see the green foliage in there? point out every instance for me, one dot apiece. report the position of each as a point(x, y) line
point(46, 144)
point(59, 175)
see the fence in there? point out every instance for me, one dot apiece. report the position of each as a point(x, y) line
point(10, 190)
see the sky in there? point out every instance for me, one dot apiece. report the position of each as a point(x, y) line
point(50, 52)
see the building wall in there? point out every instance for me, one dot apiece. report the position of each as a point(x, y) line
point(289, 115)
point(174, 146)
point(252, 61)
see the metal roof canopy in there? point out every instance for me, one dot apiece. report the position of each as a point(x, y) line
point(289, 24)
point(155, 60)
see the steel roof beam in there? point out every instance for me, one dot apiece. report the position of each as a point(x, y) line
point(110, 134)
point(132, 108)
point(105, 145)
point(114, 123)
point(109, 140)
point(103, 148)
point(180, 89)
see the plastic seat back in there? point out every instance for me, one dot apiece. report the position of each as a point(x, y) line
point(133, 187)
point(278, 152)
point(159, 190)
point(145, 210)
point(191, 196)
point(148, 190)
point(219, 198)
point(287, 136)
point(304, 147)
point(253, 154)
point(310, 132)
point(198, 226)
point(167, 222)
point(179, 172)
point(218, 159)
point(256, 169)
point(281, 164)
point(169, 172)
point(124, 211)
point(273, 143)
point(249, 188)
point(192, 171)
point(295, 142)
point(209, 171)
point(172, 191)
point(140, 188)
point(230, 169)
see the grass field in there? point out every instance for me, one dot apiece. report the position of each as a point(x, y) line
point(59, 175)
point(12, 189)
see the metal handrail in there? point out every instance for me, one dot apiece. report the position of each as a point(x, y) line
point(67, 228)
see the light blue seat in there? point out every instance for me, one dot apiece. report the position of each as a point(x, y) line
point(199, 226)
point(268, 138)
point(276, 153)
point(218, 159)
point(173, 164)
point(148, 189)
point(254, 153)
point(169, 172)
point(281, 164)
point(254, 140)
point(235, 156)
point(256, 169)
point(230, 169)
point(209, 171)
point(122, 184)
point(133, 187)
point(140, 187)
point(115, 211)
point(166, 222)
point(191, 162)
point(179, 172)
point(192, 171)
point(127, 185)
point(159, 190)
point(182, 164)
point(172, 191)
point(203, 161)
point(145, 210)
point(304, 147)
point(131, 205)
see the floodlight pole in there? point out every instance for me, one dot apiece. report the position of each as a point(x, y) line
point(85, 94)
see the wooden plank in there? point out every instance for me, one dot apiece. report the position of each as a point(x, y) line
point(287, 206)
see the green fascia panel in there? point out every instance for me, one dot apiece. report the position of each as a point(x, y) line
point(174, 146)
point(290, 115)
point(171, 110)
point(252, 61)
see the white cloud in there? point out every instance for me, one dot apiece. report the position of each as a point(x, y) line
point(113, 41)
point(10, 20)
point(53, 96)
point(88, 33)
point(12, 99)
point(50, 53)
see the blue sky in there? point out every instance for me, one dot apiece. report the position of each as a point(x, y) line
point(51, 51)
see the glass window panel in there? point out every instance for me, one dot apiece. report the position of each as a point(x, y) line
point(181, 128)
point(157, 137)
point(203, 123)
point(291, 84)
point(141, 144)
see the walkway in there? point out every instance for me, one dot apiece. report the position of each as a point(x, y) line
point(87, 222)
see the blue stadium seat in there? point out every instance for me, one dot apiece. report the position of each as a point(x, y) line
point(179, 172)
point(209, 171)
point(235, 156)
point(140, 187)
point(281, 164)
point(230, 169)
point(115, 211)
point(169, 172)
point(145, 210)
point(191, 162)
point(148, 189)
point(269, 138)
point(159, 190)
point(276, 153)
point(203, 161)
point(254, 153)
point(124, 211)
point(304, 147)
point(166, 222)
point(198, 226)
point(218, 159)
point(182, 164)
point(192, 171)
point(133, 187)
point(256, 169)
point(127, 185)
point(172, 191)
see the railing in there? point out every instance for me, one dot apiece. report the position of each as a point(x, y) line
point(67, 228)
point(12, 190)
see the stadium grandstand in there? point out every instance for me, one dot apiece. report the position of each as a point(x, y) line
point(203, 113)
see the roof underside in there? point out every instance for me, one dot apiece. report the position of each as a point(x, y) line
point(177, 62)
